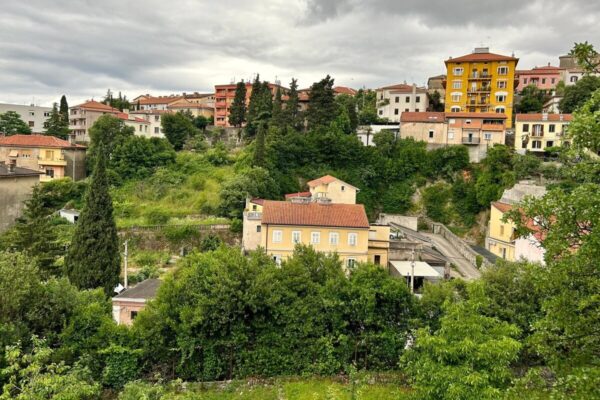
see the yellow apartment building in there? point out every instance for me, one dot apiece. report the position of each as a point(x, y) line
point(536, 132)
point(501, 239)
point(481, 82)
point(55, 158)
point(331, 228)
point(334, 189)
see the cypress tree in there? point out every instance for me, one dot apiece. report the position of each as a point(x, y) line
point(277, 117)
point(260, 142)
point(64, 109)
point(322, 108)
point(57, 126)
point(254, 106)
point(291, 114)
point(237, 113)
point(93, 259)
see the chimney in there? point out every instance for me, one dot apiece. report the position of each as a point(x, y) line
point(545, 116)
point(548, 63)
point(481, 50)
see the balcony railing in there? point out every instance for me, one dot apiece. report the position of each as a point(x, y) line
point(470, 140)
point(254, 215)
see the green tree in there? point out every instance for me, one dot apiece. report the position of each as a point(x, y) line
point(33, 376)
point(260, 142)
point(94, 259)
point(107, 133)
point(201, 122)
point(435, 201)
point(468, 357)
point(34, 234)
point(291, 114)
point(587, 57)
point(237, 112)
point(255, 106)
point(322, 108)
point(577, 94)
point(138, 157)
point(56, 124)
point(346, 105)
point(64, 109)
point(532, 100)
point(435, 101)
point(496, 174)
point(277, 113)
point(366, 103)
point(178, 128)
point(585, 127)
point(121, 103)
point(12, 124)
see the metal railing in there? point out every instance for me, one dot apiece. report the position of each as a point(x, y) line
point(470, 140)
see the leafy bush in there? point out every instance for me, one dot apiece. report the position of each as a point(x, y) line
point(157, 217)
point(121, 365)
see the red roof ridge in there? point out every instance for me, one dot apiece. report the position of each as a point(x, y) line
point(315, 214)
point(36, 141)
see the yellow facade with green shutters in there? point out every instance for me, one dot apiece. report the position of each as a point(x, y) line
point(481, 82)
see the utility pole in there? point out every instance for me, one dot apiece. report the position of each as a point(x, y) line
point(412, 272)
point(125, 254)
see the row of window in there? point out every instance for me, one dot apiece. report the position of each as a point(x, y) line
point(502, 70)
point(500, 98)
point(500, 84)
point(539, 128)
point(534, 81)
point(498, 109)
point(315, 237)
point(407, 99)
point(350, 261)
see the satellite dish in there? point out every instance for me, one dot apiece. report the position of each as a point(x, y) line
point(119, 288)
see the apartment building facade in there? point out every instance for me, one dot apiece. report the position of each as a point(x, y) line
point(146, 102)
point(572, 72)
point(501, 238)
point(476, 131)
point(34, 116)
point(83, 116)
point(536, 132)
point(51, 157)
point(16, 186)
point(481, 82)
point(224, 95)
point(544, 78)
point(394, 100)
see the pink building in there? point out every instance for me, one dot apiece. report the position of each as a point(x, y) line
point(545, 78)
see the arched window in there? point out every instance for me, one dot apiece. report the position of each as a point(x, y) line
point(500, 110)
point(455, 109)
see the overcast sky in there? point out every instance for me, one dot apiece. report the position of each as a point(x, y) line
point(82, 47)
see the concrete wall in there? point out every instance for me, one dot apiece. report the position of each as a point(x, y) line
point(529, 249)
point(13, 192)
point(402, 220)
point(463, 248)
point(75, 168)
point(34, 116)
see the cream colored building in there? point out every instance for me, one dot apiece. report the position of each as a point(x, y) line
point(476, 131)
point(34, 116)
point(83, 116)
point(536, 132)
point(251, 231)
point(342, 229)
point(154, 118)
point(194, 108)
point(394, 100)
point(334, 189)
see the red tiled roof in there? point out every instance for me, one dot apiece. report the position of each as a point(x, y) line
point(409, 116)
point(476, 57)
point(322, 180)
point(314, 214)
point(502, 207)
point(298, 194)
point(344, 90)
point(125, 117)
point(475, 115)
point(95, 105)
point(257, 201)
point(540, 117)
point(36, 141)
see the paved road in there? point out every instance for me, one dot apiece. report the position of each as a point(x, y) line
point(465, 269)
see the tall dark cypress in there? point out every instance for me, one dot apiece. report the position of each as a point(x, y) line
point(93, 259)
point(260, 142)
point(322, 108)
point(291, 116)
point(254, 106)
point(64, 109)
point(277, 113)
point(237, 112)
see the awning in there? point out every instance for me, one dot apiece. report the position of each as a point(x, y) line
point(422, 269)
point(14, 153)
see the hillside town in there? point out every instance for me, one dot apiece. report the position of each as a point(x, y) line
point(264, 238)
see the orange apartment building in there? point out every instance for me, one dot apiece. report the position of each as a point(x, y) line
point(224, 95)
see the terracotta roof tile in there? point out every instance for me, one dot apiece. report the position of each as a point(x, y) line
point(540, 117)
point(95, 105)
point(502, 207)
point(475, 57)
point(36, 141)
point(315, 214)
point(159, 99)
point(298, 194)
point(409, 116)
point(344, 90)
point(322, 180)
point(403, 88)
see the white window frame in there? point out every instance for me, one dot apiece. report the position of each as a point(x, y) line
point(487, 135)
point(296, 237)
point(455, 109)
point(314, 235)
point(450, 135)
point(277, 259)
point(458, 71)
point(334, 238)
point(352, 239)
point(457, 85)
point(503, 70)
point(500, 110)
point(277, 236)
point(502, 84)
point(500, 98)
point(350, 262)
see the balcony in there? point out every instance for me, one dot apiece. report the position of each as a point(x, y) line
point(480, 76)
point(485, 89)
point(254, 215)
point(221, 104)
point(470, 140)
